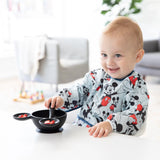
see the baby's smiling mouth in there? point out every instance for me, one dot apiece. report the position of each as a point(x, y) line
point(113, 70)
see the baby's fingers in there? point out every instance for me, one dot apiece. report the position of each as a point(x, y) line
point(53, 103)
point(59, 102)
point(101, 133)
point(106, 133)
point(96, 133)
point(47, 102)
point(92, 130)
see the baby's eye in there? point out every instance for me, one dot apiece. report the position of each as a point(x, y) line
point(104, 55)
point(118, 55)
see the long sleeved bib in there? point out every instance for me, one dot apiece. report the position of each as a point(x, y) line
point(123, 102)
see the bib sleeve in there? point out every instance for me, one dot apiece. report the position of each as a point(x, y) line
point(75, 96)
point(134, 112)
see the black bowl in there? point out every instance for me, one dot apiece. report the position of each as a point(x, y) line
point(38, 115)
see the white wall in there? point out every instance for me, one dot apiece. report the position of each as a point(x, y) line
point(72, 18)
point(149, 19)
point(84, 18)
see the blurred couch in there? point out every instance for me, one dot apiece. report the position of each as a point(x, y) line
point(66, 60)
point(150, 64)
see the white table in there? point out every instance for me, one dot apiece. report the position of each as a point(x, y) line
point(19, 140)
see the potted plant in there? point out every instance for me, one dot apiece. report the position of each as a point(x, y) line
point(113, 8)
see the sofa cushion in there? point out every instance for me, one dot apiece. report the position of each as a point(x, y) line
point(151, 45)
point(71, 63)
point(159, 43)
point(150, 60)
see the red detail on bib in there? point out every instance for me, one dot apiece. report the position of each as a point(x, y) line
point(105, 100)
point(133, 80)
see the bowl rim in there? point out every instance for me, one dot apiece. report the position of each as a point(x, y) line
point(33, 116)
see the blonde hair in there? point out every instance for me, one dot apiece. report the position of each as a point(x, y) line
point(125, 26)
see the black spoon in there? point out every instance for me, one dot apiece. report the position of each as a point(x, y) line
point(52, 121)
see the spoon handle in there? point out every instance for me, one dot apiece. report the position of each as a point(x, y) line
point(51, 111)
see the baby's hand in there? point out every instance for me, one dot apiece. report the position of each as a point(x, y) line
point(101, 129)
point(55, 102)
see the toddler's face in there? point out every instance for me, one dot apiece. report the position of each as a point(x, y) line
point(118, 55)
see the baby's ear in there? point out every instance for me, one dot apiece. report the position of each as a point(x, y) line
point(139, 56)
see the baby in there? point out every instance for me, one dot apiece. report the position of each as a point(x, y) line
point(114, 97)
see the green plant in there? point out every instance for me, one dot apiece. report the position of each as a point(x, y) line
point(113, 8)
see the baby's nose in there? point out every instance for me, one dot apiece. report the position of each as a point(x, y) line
point(110, 62)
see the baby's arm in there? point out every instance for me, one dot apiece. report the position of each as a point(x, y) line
point(133, 115)
point(72, 98)
point(101, 129)
point(76, 95)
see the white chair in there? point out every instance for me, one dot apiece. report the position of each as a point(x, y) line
point(66, 59)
